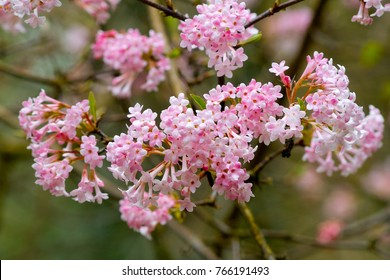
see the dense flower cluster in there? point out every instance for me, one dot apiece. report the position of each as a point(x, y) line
point(53, 128)
point(29, 10)
point(193, 143)
point(99, 9)
point(363, 16)
point(342, 137)
point(218, 29)
point(145, 220)
point(131, 53)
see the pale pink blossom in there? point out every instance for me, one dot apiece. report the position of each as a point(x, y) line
point(29, 11)
point(329, 231)
point(53, 127)
point(145, 220)
point(131, 54)
point(218, 29)
point(99, 9)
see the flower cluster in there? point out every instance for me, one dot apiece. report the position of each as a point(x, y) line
point(99, 9)
point(218, 29)
point(30, 10)
point(145, 220)
point(53, 128)
point(363, 16)
point(341, 136)
point(131, 53)
point(11, 23)
point(213, 140)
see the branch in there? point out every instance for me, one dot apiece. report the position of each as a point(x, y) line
point(256, 232)
point(164, 9)
point(368, 223)
point(173, 73)
point(276, 8)
point(194, 241)
point(21, 74)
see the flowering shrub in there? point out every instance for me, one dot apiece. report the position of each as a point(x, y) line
point(195, 145)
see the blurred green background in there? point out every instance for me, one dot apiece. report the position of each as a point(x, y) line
point(35, 225)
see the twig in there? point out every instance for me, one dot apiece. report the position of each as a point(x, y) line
point(315, 23)
point(188, 236)
point(276, 8)
point(256, 232)
point(262, 164)
point(8, 118)
point(21, 74)
point(368, 223)
point(164, 9)
point(173, 73)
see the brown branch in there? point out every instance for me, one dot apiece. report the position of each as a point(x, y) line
point(276, 8)
point(164, 9)
point(367, 223)
point(21, 74)
point(193, 240)
point(256, 232)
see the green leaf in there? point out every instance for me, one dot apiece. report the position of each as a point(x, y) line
point(301, 104)
point(199, 101)
point(92, 105)
point(253, 39)
point(174, 53)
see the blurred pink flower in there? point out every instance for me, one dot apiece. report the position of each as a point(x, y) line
point(329, 231)
point(340, 204)
point(282, 36)
point(377, 181)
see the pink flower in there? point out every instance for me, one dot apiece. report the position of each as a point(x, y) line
point(329, 231)
point(132, 53)
point(279, 69)
point(99, 9)
point(342, 137)
point(90, 151)
point(363, 16)
point(217, 29)
point(145, 220)
point(53, 128)
point(28, 10)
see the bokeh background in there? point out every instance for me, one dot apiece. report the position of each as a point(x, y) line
point(291, 197)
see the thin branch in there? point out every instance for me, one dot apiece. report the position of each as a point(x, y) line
point(21, 74)
point(316, 22)
point(368, 223)
point(193, 240)
point(8, 118)
point(276, 8)
point(164, 9)
point(262, 164)
point(256, 232)
point(173, 73)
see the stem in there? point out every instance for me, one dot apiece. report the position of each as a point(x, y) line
point(194, 241)
point(21, 74)
point(173, 73)
point(368, 223)
point(164, 9)
point(256, 232)
point(260, 166)
point(276, 8)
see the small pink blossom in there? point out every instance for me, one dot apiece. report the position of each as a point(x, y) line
point(131, 54)
point(90, 151)
point(145, 220)
point(329, 231)
point(30, 11)
point(217, 29)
